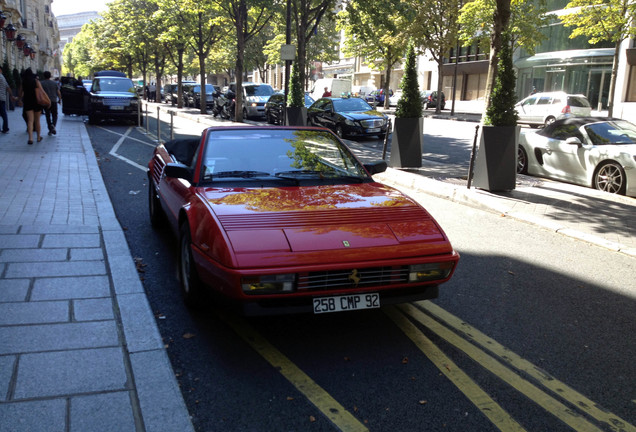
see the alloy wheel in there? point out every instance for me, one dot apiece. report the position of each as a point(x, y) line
point(610, 178)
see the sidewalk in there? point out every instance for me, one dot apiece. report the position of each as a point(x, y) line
point(79, 347)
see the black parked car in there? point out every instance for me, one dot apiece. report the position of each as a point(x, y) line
point(274, 107)
point(192, 93)
point(347, 117)
point(429, 99)
point(112, 96)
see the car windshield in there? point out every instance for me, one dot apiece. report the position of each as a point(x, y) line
point(611, 132)
point(259, 90)
point(282, 154)
point(352, 104)
point(113, 85)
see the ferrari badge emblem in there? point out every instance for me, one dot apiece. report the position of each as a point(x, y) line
point(353, 277)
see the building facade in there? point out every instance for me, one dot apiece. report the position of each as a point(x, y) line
point(34, 43)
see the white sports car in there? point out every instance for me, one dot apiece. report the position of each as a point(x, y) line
point(591, 151)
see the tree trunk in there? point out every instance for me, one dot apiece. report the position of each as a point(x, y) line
point(500, 23)
point(438, 105)
point(387, 85)
point(202, 73)
point(180, 77)
point(241, 22)
point(612, 89)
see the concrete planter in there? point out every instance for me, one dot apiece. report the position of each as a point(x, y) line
point(496, 163)
point(296, 116)
point(406, 144)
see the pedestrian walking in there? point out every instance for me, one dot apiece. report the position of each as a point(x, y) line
point(53, 92)
point(4, 91)
point(30, 105)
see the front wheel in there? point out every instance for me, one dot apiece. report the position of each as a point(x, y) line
point(339, 131)
point(549, 121)
point(610, 177)
point(157, 217)
point(191, 286)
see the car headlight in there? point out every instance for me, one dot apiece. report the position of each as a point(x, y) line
point(269, 284)
point(430, 272)
point(97, 100)
point(350, 122)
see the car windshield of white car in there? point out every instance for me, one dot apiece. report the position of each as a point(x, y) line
point(352, 104)
point(611, 132)
point(259, 90)
point(279, 155)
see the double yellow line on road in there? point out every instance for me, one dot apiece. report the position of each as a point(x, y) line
point(501, 362)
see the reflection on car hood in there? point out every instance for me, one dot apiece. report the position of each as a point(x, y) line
point(322, 218)
point(114, 94)
point(361, 115)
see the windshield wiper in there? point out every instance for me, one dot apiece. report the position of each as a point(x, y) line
point(242, 174)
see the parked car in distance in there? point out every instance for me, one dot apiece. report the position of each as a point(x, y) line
point(395, 97)
point(347, 117)
point(541, 109)
point(429, 99)
point(597, 152)
point(255, 97)
point(193, 95)
point(376, 97)
point(277, 220)
point(275, 104)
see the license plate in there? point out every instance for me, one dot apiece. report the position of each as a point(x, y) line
point(117, 107)
point(372, 130)
point(346, 303)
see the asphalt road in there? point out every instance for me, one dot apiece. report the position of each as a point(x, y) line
point(532, 333)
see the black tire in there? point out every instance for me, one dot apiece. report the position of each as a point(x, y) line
point(157, 216)
point(522, 161)
point(191, 286)
point(610, 177)
point(92, 119)
point(339, 131)
point(245, 116)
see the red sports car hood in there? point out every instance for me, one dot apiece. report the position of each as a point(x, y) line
point(340, 218)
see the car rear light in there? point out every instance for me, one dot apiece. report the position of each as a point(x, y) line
point(430, 272)
point(566, 110)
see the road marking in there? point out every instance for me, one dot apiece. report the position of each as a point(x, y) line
point(584, 404)
point(497, 415)
point(548, 403)
point(335, 412)
point(113, 151)
point(149, 144)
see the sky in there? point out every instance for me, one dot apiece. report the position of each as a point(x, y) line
point(66, 7)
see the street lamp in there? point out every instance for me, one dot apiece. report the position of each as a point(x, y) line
point(20, 41)
point(9, 32)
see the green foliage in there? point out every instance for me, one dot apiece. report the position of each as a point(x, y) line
point(410, 103)
point(296, 97)
point(527, 17)
point(601, 20)
point(501, 111)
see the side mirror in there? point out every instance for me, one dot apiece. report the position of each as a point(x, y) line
point(574, 141)
point(178, 170)
point(376, 167)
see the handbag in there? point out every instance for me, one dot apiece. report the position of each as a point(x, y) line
point(41, 97)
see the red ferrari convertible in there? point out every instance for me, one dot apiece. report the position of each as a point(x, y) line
point(284, 220)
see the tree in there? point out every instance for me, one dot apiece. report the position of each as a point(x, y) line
point(296, 96)
point(437, 35)
point(501, 111)
point(603, 20)
point(483, 21)
point(248, 17)
point(375, 30)
point(410, 103)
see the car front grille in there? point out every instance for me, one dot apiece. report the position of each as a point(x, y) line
point(116, 101)
point(353, 278)
point(373, 123)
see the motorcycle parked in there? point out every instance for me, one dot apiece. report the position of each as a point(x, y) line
point(224, 105)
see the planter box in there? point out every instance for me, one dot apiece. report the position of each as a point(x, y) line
point(296, 116)
point(406, 144)
point(496, 163)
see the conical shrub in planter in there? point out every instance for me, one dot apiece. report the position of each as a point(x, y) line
point(406, 144)
point(296, 114)
point(496, 162)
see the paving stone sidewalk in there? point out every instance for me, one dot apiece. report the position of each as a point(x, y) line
point(79, 347)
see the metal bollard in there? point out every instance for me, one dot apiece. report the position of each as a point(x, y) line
point(171, 124)
point(386, 139)
point(158, 127)
point(139, 113)
point(146, 109)
point(473, 154)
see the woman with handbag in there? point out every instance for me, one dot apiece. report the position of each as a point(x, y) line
point(31, 107)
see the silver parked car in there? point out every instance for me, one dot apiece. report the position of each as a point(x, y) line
point(541, 109)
